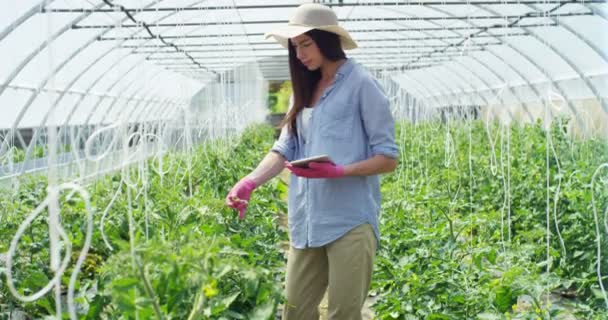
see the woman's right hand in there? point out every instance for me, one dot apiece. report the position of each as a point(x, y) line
point(238, 197)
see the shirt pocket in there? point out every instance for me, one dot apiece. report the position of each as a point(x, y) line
point(337, 121)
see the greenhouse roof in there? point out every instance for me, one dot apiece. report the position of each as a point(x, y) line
point(62, 54)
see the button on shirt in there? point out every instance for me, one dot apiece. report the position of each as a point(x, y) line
point(351, 122)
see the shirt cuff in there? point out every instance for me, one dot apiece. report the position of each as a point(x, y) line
point(282, 150)
point(391, 152)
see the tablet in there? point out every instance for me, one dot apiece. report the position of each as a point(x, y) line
point(303, 163)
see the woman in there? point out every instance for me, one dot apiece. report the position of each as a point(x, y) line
point(338, 110)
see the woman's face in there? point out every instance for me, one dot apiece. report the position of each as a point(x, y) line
point(307, 52)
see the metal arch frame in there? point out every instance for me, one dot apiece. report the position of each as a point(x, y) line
point(100, 98)
point(459, 64)
point(122, 114)
point(462, 78)
point(524, 105)
point(589, 44)
point(135, 92)
point(140, 112)
point(78, 76)
point(446, 89)
point(142, 43)
point(51, 39)
point(453, 93)
point(546, 74)
point(34, 95)
point(429, 93)
point(448, 92)
point(153, 108)
point(32, 12)
point(28, 14)
point(430, 34)
point(570, 63)
point(280, 6)
point(527, 58)
point(17, 70)
point(63, 64)
point(511, 90)
point(117, 62)
point(474, 89)
point(485, 83)
point(530, 60)
point(475, 59)
point(94, 63)
point(158, 107)
point(129, 84)
point(73, 109)
point(600, 14)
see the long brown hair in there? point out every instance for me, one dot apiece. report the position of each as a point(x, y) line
point(304, 81)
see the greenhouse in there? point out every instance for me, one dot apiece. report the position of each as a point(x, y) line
point(127, 125)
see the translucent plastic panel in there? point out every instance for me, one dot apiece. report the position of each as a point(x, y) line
point(132, 83)
point(90, 68)
point(500, 66)
point(38, 110)
point(518, 61)
point(575, 89)
point(121, 109)
point(434, 86)
point(268, 14)
point(79, 62)
point(474, 63)
point(12, 10)
point(23, 41)
point(122, 73)
point(63, 4)
point(601, 83)
point(414, 88)
point(11, 102)
point(593, 29)
point(150, 106)
point(544, 56)
point(99, 111)
point(450, 80)
point(575, 49)
point(526, 94)
point(49, 59)
point(469, 74)
point(63, 110)
point(81, 109)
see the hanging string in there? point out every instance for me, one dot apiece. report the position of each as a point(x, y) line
point(598, 234)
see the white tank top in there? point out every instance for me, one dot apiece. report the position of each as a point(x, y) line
point(306, 113)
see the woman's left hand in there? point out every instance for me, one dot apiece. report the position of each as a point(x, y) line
point(317, 170)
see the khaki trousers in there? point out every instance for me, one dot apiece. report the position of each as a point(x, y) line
point(343, 268)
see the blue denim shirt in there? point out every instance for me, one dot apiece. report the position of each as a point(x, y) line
point(351, 122)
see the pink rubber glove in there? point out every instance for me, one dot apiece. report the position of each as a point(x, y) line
point(317, 170)
point(240, 194)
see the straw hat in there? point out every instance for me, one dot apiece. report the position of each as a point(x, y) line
point(312, 16)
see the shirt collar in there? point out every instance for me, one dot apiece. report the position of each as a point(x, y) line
point(344, 69)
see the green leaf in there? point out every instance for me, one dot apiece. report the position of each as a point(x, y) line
point(125, 283)
point(492, 256)
point(504, 298)
point(264, 312)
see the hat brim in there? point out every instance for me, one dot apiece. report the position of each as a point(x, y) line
point(283, 34)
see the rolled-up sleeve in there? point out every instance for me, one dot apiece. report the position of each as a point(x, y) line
point(378, 121)
point(285, 145)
